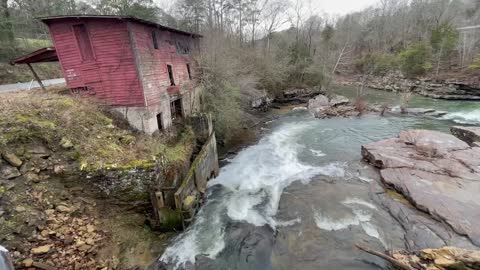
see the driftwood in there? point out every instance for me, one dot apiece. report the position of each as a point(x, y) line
point(389, 259)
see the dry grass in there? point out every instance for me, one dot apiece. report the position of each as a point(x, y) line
point(99, 141)
point(360, 105)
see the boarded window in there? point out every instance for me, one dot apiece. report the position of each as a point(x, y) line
point(83, 40)
point(170, 75)
point(154, 40)
point(189, 72)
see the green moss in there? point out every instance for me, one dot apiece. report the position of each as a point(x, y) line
point(172, 219)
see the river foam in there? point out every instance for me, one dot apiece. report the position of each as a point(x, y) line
point(470, 117)
point(248, 190)
point(361, 213)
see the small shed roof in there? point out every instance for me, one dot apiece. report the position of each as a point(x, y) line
point(48, 54)
point(118, 17)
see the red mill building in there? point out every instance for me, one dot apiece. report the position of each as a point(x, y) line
point(142, 69)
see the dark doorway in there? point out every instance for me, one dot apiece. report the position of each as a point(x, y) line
point(176, 109)
point(159, 121)
point(170, 75)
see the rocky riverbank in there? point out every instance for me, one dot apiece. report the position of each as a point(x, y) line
point(451, 89)
point(435, 174)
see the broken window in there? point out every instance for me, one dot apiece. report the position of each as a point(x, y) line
point(154, 40)
point(83, 41)
point(159, 121)
point(170, 75)
point(176, 109)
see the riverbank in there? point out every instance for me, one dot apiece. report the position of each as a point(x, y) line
point(442, 87)
point(75, 184)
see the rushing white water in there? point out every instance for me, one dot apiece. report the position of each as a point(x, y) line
point(465, 117)
point(252, 185)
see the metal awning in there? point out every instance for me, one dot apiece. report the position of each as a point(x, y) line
point(48, 54)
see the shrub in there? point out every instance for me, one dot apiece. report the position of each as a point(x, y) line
point(414, 60)
point(476, 63)
point(376, 63)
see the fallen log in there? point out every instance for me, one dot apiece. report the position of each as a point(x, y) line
point(389, 259)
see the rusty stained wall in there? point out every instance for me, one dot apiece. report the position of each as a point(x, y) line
point(112, 75)
point(152, 67)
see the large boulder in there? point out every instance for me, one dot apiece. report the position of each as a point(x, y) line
point(318, 103)
point(469, 135)
point(436, 172)
point(338, 100)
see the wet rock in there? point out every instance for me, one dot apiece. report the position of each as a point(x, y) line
point(12, 159)
point(66, 143)
point(40, 250)
point(438, 173)
point(337, 100)
point(469, 135)
point(419, 111)
point(8, 172)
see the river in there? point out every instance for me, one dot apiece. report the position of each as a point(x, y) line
point(301, 197)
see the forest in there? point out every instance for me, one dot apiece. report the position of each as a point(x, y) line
point(253, 47)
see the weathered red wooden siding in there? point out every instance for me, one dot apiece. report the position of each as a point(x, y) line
point(153, 62)
point(113, 75)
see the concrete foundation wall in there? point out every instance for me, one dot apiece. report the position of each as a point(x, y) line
point(145, 118)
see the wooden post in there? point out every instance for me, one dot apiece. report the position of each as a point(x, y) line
point(36, 77)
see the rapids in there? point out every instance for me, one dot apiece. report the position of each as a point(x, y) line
point(301, 197)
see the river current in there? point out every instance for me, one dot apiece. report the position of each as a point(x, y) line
point(301, 198)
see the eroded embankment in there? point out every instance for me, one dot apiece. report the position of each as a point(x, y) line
point(75, 184)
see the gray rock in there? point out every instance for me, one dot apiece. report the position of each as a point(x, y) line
point(419, 111)
point(317, 103)
point(38, 151)
point(338, 100)
point(12, 158)
point(466, 134)
point(438, 173)
point(8, 172)
point(32, 177)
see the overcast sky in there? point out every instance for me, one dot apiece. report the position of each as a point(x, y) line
point(332, 7)
point(341, 7)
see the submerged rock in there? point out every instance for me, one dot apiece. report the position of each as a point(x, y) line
point(438, 173)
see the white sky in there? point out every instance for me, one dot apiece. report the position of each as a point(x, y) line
point(331, 7)
point(341, 7)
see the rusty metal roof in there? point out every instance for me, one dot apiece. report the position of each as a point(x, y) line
point(118, 17)
point(48, 54)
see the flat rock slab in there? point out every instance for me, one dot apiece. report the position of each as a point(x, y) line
point(466, 134)
point(437, 172)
